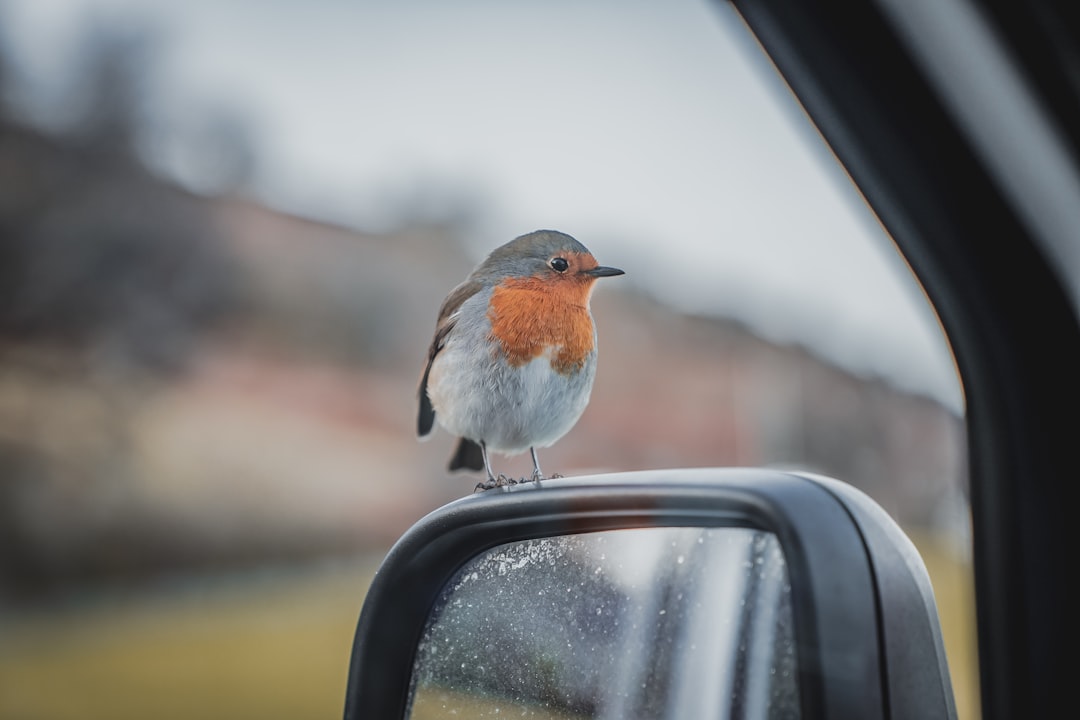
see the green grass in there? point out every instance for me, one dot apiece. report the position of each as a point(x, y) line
point(269, 648)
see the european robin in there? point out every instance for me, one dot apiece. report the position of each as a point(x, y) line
point(513, 360)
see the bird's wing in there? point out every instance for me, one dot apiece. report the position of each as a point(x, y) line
point(447, 319)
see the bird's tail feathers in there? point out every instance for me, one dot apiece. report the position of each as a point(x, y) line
point(468, 456)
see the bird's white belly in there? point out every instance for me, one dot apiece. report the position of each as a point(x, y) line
point(509, 408)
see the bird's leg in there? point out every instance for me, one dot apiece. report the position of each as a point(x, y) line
point(538, 474)
point(491, 482)
point(487, 462)
point(501, 480)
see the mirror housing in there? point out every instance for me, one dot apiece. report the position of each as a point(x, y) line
point(867, 637)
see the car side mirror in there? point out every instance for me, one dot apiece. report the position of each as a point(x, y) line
point(710, 593)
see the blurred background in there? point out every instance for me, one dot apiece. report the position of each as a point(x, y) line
point(225, 230)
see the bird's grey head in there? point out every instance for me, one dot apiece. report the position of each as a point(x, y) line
point(540, 253)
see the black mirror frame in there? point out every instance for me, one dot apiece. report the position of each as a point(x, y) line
point(830, 534)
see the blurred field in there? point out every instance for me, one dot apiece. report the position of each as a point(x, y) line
point(272, 645)
point(269, 645)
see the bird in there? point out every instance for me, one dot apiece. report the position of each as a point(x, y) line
point(513, 359)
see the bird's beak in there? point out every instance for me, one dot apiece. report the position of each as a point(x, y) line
point(601, 271)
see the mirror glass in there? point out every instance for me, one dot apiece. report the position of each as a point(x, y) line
point(683, 622)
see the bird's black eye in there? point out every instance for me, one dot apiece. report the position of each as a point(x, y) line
point(559, 264)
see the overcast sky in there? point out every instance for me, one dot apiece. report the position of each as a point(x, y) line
point(655, 132)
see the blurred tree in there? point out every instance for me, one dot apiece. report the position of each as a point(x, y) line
point(107, 88)
point(95, 251)
point(107, 273)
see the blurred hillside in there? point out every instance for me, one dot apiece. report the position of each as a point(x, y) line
point(194, 380)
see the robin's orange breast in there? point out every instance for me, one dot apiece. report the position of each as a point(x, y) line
point(529, 315)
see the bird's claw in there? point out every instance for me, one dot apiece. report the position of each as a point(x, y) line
point(505, 481)
point(491, 483)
